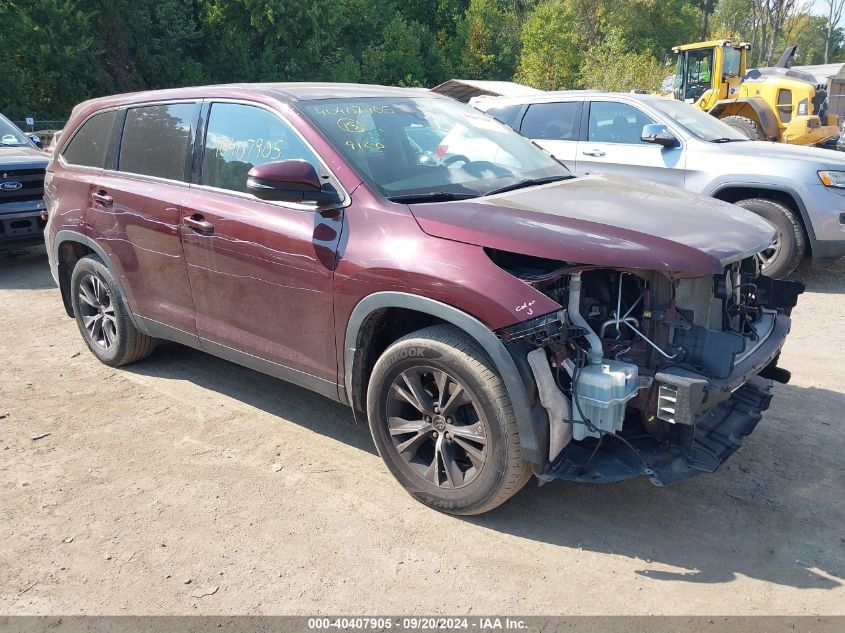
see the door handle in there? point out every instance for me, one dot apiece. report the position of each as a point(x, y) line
point(102, 198)
point(198, 223)
point(594, 152)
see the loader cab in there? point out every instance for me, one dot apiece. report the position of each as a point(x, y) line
point(707, 72)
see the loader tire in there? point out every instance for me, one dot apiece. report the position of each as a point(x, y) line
point(747, 126)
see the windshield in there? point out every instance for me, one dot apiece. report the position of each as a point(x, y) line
point(697, 122)
point(418, 147)
point(10, 135)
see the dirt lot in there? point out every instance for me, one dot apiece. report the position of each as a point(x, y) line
point(185, 475)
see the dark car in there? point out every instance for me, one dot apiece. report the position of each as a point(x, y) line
point(22, 166)
point(490, 317)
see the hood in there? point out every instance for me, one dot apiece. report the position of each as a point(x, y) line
point(604, 220)
point(765, 150)
point(22, 157)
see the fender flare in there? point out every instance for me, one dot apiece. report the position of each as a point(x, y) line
point(802, 209)
point(761, 108)
point(528, 421)
point(72, 236)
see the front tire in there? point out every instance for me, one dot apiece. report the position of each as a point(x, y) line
point(786, 253)
point(442, 421)
point(102, 315)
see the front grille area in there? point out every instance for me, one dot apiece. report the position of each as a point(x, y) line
point(32, 185)
point(695, 298)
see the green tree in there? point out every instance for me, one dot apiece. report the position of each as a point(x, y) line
point(397, 58)
point(655, 25)
point(489, 40)
point(611, 66)
point(552, 46)
point(732, 17)
point(49, 58)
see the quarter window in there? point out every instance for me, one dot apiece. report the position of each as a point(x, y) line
point(616, 123)
point(551, 121)
point(89, 145)
point(155, 140)
point(506, 114)
point(239, 137)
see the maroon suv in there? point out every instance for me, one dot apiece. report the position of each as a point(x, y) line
point(489, 315)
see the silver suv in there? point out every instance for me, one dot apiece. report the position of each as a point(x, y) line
point(801, 190)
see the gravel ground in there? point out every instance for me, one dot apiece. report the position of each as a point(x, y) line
point(185, 484)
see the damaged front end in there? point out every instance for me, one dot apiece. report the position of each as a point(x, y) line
point(648, 372)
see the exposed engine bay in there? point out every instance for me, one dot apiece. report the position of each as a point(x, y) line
point(645, 373)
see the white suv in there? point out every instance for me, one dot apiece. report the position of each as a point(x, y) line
point(801, 190)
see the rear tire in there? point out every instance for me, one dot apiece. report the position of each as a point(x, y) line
point(102, 315)
point(456, 447)
point(790, 245)
point(747, 126)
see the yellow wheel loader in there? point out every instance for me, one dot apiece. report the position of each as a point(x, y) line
point(767, 104)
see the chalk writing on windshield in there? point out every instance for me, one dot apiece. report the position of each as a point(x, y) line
point(339, 110)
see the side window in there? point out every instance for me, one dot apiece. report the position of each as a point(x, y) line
point(155, 140)
point(506, 114)
point(785, 105)
point(551, 121)
point(89, 145)
point(699, 73)
point(239, 137)
point(616, 123)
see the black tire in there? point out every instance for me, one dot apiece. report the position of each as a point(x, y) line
point(791, 244)
point(747, 126)
point(116, 341)
point(487, 480)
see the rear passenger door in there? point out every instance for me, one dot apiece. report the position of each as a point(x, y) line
point(135, 213)
point(613, 146)
point(555, 127)
point(261, 272)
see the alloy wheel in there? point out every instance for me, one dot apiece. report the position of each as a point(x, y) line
point(437, 427)
point(96, 309)
point(769, 255)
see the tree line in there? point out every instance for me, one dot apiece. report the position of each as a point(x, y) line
point(56, 53)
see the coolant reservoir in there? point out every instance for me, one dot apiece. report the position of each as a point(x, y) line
point(603, 393)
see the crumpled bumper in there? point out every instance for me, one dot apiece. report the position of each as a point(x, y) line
point(702, 449)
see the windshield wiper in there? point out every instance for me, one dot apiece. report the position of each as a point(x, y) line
point(527, 182)
point(725, 139)
point(432, 196)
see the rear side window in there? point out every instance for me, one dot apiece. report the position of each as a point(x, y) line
point(89, 145)
point(506, 114)
point(155, 140)
point(240, 137)
point(551, 121)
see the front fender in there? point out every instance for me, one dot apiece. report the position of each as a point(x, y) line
point(721, 185)
point(532, 422)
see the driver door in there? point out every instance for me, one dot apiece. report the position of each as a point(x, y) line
point(613, 146)
point(260, 272)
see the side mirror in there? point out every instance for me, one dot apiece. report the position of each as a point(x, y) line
point(37, 140)
point(659, 135)
point(293, 180)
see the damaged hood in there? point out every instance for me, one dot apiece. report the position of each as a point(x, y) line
point(604, 220)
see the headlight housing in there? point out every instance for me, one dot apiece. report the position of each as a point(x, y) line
point(833, 178)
